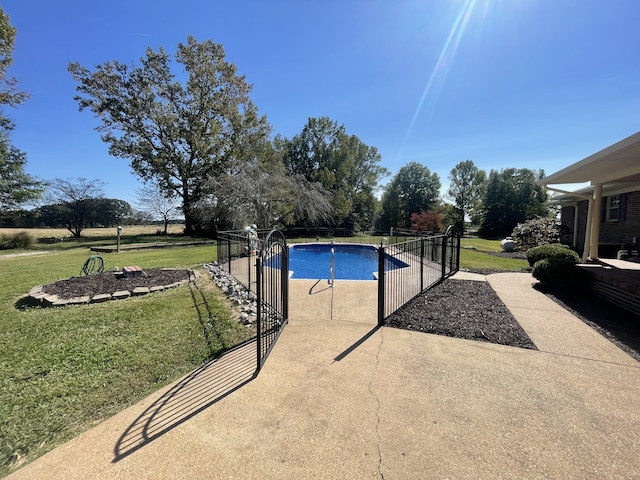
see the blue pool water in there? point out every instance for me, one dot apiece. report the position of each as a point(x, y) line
point(352, 262)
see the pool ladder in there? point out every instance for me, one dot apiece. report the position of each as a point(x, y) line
point(332, 280)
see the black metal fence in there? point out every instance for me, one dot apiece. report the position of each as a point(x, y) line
point(272, 284)
point(259, 259)
point(409, 268)
point(237, 251)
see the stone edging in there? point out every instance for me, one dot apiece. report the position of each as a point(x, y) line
point(243, 301)
point(37, 295)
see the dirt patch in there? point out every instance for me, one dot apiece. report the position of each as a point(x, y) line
point(462, 309)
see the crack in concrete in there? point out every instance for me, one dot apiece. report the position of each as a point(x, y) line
point(378, 405)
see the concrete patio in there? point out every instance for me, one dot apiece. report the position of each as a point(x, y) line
point(340, 398)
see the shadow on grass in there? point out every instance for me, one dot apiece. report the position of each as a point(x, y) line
point(190, 396)
point(616, 324)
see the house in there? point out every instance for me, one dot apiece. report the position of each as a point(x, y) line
point(602, 219)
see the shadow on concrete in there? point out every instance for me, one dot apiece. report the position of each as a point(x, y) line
point(364, 338)
point(311, 292)
point(190, 396)
point(618, 325)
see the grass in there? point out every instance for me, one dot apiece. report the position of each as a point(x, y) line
point(482, 244)
point(64, 369)
point(476, 258)
point(47, 239)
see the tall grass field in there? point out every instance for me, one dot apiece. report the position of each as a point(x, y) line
point(58, 233)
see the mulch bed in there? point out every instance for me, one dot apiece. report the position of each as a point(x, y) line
point(108, 282)
point(462, 309)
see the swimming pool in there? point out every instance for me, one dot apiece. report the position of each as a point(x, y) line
point(352, 262)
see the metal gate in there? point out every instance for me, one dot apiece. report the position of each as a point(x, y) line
point(272, 289)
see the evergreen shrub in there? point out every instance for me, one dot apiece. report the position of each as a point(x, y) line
point(559, 272)
point(552, 250)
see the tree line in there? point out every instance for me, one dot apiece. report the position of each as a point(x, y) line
point(198, 142)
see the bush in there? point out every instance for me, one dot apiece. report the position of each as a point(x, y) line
point(536, 232)
point(559, 272)
point(554, 250)
point(16, 240)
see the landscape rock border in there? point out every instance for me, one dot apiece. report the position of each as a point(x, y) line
point(37, 295)
point(243, 300)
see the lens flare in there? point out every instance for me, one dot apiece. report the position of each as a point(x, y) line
point(439, 72)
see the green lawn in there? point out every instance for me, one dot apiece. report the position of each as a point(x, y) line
point(477, 259)
point(64, 369)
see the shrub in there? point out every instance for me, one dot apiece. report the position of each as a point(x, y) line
point(16, 240)
point(559, 272)
point(536, 232)
point(554, 250)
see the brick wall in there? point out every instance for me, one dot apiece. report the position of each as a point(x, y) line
point(612, 234)
point(623, 231)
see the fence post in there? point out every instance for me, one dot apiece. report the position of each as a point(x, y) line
point(259, 313)
point(284, 280)
point(249, 268)
point(458, 243)
point(229, 253)
point(444, 257)
point(422, 240)
point(451, 255)
point(381, 285)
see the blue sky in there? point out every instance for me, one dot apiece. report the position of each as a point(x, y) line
point(505, 83)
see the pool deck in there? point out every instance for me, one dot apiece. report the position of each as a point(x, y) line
point(340, 398)
point(353, 301)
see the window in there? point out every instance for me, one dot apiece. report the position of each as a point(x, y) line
point(613, 208)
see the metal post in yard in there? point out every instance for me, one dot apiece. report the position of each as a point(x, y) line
point(118, 243)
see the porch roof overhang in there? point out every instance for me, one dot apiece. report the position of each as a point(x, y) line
point(616, 164)
point(612, 170)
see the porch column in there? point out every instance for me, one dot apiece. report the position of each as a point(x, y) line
point(595, 221)
point(587, 233)
point(575, 226)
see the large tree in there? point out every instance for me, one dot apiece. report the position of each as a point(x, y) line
point(16, 186)
point(466, 188)
point(345, 166)
point(412, 190)
point(72, 201)
point(261, 192)
point(159, 205)
point(512, 196)
point(179, 134)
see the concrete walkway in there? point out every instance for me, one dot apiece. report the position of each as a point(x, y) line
point(342, 399)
